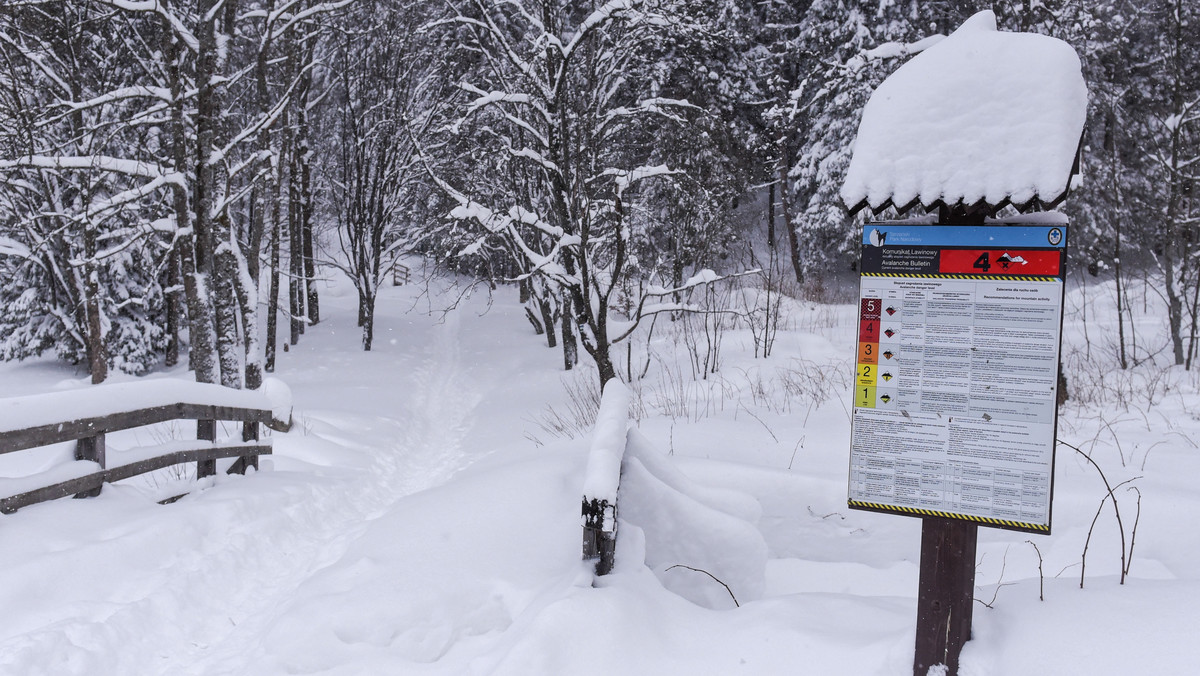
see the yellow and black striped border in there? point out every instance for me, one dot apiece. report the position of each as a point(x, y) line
point(1003, 278)
point(913, 511)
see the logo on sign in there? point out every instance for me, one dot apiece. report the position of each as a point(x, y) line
point(1055, 236)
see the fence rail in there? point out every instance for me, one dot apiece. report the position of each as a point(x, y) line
point(89, 434)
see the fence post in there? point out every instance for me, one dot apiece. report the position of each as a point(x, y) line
point(600, 534)
point(206, 430)
point(90, 448)
point(249, 433)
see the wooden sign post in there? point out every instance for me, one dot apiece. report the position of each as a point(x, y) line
point(945, 595)
point(955, 406)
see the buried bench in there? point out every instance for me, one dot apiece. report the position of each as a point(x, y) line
point(87, 415)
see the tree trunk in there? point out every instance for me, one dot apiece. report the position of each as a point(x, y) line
point(173, 307)
point(771, 216)
point(1174, 248)
point(366, 310)
point(306, 229)
point(273, 292)
point(224, 305)
point(296, 295)
point(246, 286)
point(785, 208)
point(209, 107)
point(201, 339)
point(97, 354)
point(295, 254)
point(570, 346)
point(547, 310)
point(308, 285)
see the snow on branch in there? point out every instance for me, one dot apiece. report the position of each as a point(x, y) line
point(489, 27)
point(606, 13)
point(303, 15)
point(645, 308)
point(160, 8)
point(11, 247)
point(893, 50)
point(506, 224)
point(37, 61)
point(161, 93)
point(127, 197)
point(115, 165)
point(486, 99)
point(652, 106)
point(624, 178)
point(530, 154)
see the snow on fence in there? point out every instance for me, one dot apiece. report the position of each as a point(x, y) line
point(604, 476)
point(85, 416)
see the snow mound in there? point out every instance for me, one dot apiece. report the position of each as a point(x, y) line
point(697, 538)
point(982, 115)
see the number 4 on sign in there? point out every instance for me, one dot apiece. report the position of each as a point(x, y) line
point(983, 263)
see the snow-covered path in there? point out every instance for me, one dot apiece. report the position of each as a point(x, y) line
point(424, 412)
point(192, 588)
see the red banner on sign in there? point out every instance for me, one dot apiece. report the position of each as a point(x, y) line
point(1000, 262)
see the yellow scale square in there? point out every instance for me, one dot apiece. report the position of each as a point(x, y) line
point(867, 375)
point(864, 397)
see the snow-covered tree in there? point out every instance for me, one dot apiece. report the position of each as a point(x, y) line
point(847, 48)
point(385, 97)
point(82, 186)
point(553, 93)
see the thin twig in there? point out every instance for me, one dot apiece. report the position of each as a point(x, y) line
point(1041, 576)
point(714, 577)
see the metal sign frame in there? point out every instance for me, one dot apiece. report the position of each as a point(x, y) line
point(956, 385)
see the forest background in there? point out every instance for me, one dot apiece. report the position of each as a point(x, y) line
point(170, 170)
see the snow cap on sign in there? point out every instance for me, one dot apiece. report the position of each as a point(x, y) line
point(983, 117)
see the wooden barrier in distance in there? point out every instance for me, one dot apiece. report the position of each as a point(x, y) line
point(89, 437)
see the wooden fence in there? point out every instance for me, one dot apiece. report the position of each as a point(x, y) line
point(604, 477)
point(89, 435)
point(401, 274)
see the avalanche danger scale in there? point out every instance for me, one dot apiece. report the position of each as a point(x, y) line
point(955, 404)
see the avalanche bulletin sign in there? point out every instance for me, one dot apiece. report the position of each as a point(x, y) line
point(957, 372)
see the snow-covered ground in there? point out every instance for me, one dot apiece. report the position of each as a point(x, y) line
point(421, 517)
